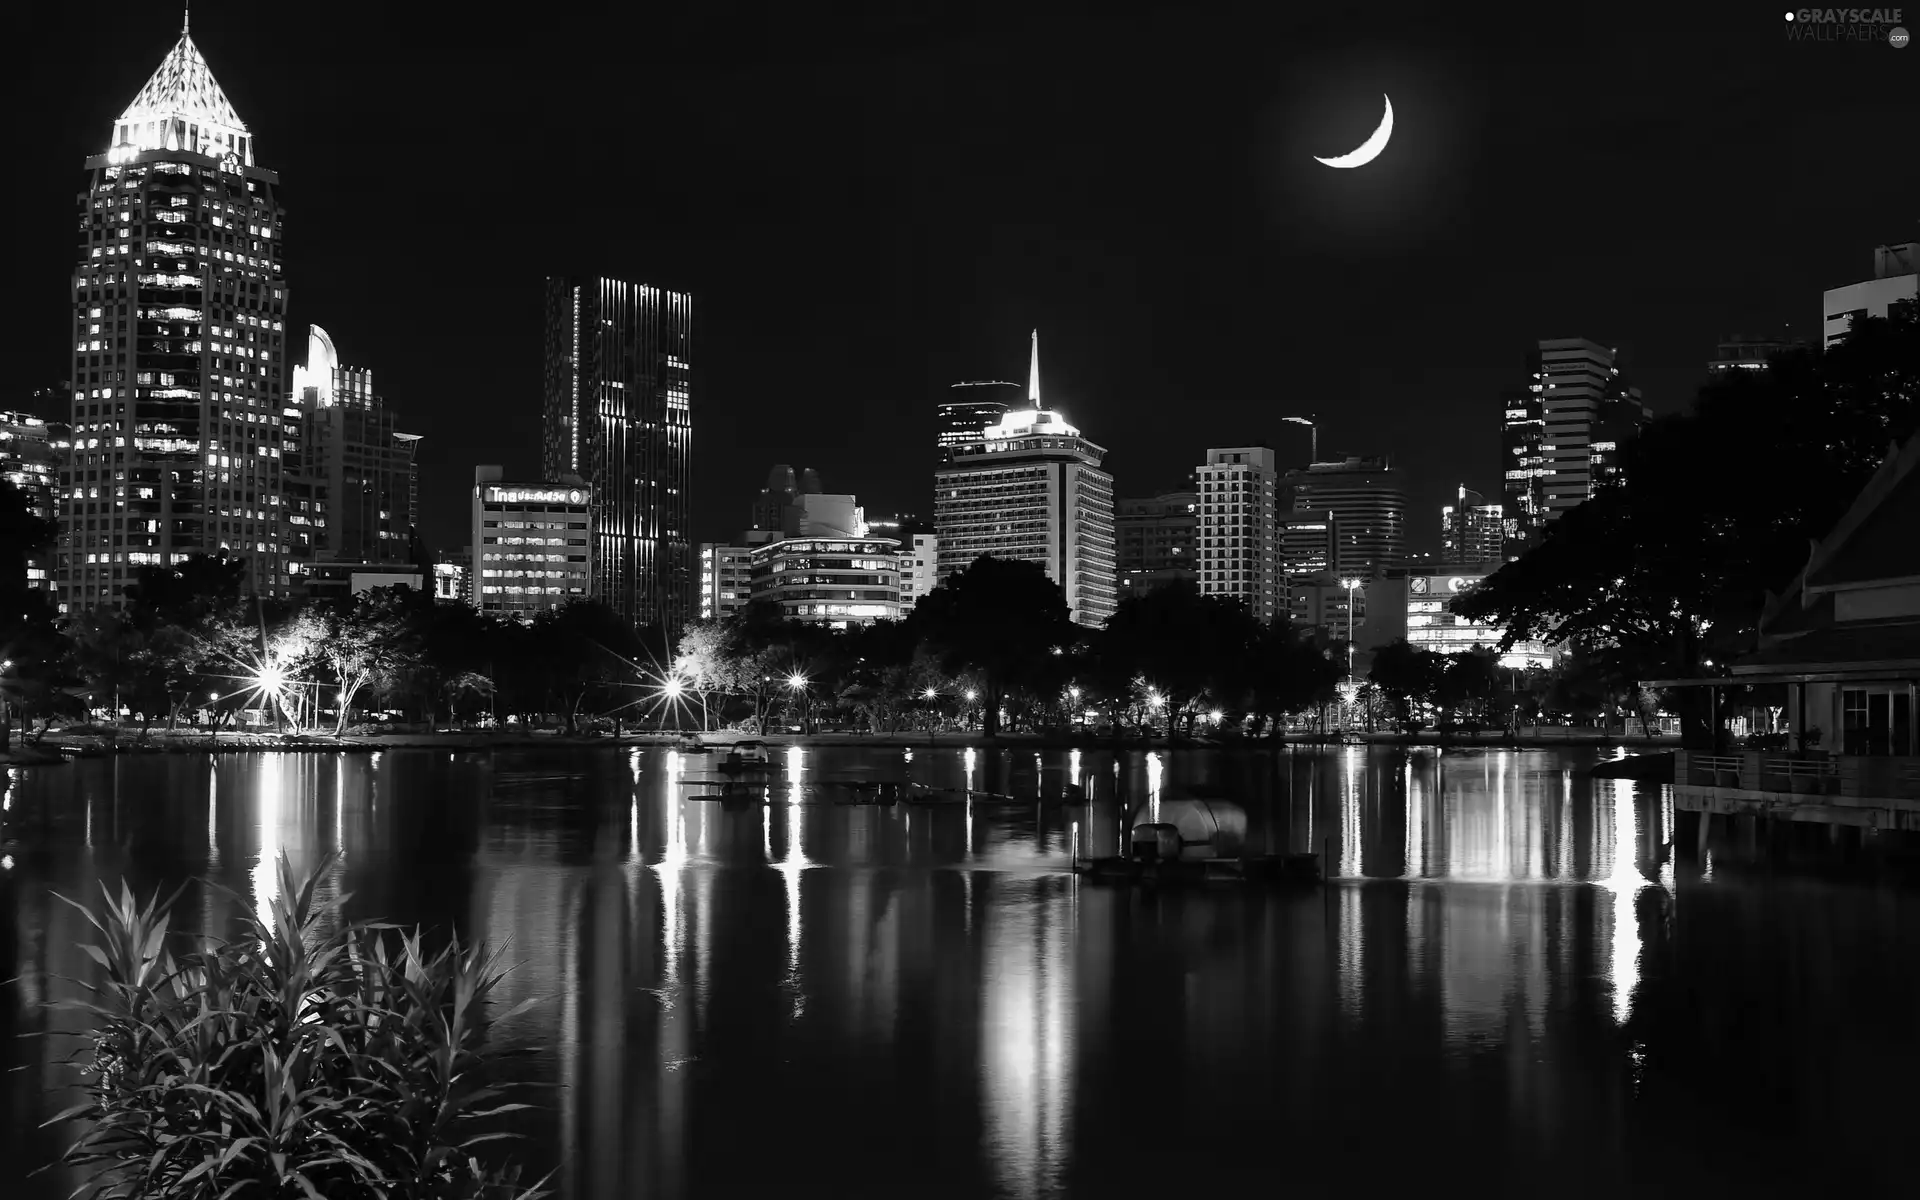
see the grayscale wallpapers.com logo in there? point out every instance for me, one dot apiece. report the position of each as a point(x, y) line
point(1848, 25)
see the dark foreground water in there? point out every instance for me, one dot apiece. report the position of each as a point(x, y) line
point(1513, 986)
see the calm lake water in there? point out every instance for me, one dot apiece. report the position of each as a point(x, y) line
point(1511, 986)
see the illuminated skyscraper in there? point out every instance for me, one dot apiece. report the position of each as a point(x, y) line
point(1472, 532)
point(350, 447)
point(619, 415)
point(1240, 530)
point(1368, 501)
point(178, 347)
point(1031, 489)
point(1563, 435)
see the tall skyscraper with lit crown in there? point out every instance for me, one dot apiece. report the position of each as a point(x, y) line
point(1030, 488)
point(178, 346)
point(619, 414)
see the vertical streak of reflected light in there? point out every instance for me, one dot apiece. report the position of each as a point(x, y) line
point(1026, 1007)
point(673, 859)
point(339, 806)
point(213, 816)
point(1155, 771)
point(1073, 769)
point(266, 879)
point(1352, 951)
point(1625, 883)
point(1349, 816)
point(1416, 827)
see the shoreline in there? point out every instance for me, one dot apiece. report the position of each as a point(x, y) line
point(56, 749)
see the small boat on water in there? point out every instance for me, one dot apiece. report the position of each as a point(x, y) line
point(747, 756)
point(1197, 838)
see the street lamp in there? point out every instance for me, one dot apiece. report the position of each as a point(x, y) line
point(1313, 427)
point(1351, 585)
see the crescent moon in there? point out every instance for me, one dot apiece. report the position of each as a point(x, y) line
point(1369, 149)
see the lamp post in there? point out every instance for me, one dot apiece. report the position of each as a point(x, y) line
point(1313, 427)
point(797, 683)
point(1351, 585)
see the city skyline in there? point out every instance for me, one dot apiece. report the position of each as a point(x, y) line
point(897, 362)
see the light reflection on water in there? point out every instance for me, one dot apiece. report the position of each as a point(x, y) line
point(934, 977)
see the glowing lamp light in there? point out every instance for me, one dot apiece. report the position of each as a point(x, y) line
point(1217, 716)
point(1349, 690)
point(930, 693)
point(1155, 700)
point(673, 688)
point(971, 694)
point(271, 678)
point(796, 681)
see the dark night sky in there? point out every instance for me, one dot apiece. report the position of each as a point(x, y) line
point(869, 207)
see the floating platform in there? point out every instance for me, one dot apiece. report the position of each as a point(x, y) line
point(1280, 870)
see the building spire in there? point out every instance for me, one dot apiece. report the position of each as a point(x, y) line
point(186, 18)
point(1033, 372)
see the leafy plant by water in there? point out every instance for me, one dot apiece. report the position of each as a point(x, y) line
point(306, 1058)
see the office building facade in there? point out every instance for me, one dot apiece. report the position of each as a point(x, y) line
point(726, 579)
point(1472, 531)
point(1739, 354)
point(971, 409)
point(1157, 541)
point(351, 448)
point(1367, 500)
point(33, 458)
point(1432, 624)
point(1240, 555)
point(532, 544)
point(836, 582)
point(919, 568)
point(1563, 436)
point(1896, 277)
point(1032, 490)
point(178, 368)
point(618, 414)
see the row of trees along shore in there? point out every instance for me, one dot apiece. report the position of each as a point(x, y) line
point(1662, 574)
point(996, 639)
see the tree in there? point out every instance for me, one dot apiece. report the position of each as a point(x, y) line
point(588, 652)
point(998, 618)
point(1291, 674)
point(1186, 645)
point(367, 639)
point(1406, 674)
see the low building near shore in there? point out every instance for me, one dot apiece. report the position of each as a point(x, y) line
point(1842, 647)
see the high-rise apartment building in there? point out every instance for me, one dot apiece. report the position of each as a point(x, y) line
point(33, 454)
point(1896, 277)
point(178, 347)
point(618, 414)
point(1563, 436)
point(1157, 541)
point(971, 409)
point(1240, 529)
point(532, 543)
point(1367, 500)
point(1031, 489)
point(351, 447)
point(1472, 531)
